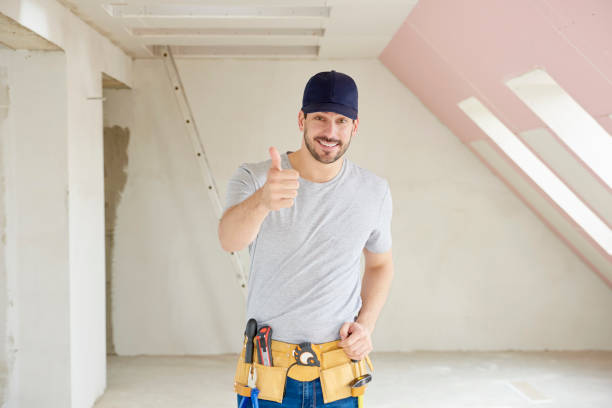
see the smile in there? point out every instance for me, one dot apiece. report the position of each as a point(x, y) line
point(327, 146)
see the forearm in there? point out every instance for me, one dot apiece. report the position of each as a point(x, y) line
point(240, 224)
point(374, 291)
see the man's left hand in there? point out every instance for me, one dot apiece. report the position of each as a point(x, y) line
point(355, 340)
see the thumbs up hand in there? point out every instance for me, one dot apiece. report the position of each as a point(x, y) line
point(281, 186)
point(276, 160)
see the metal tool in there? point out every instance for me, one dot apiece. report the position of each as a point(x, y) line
point(357, 367)
point(250, 332)
point(361, 381)
point(264, 345)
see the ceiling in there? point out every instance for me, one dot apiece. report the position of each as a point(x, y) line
point(531, 100)
point(247, 29)
point(14, 36)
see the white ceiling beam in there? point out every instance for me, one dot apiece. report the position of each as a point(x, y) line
point(14, 36)
point(213, 12)
point(238, 51)
point(209, 32)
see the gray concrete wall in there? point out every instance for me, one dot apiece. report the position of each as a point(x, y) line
point(116, 141)
point(475, 268)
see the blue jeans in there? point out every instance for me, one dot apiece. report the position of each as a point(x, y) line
point(307, 394)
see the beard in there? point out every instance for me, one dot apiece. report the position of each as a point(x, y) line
point(326, 157)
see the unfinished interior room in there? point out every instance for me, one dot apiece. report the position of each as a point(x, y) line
point(305, 203)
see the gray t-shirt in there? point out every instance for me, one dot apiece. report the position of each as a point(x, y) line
point(304, 277)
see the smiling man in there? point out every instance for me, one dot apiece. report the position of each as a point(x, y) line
point(307, 216)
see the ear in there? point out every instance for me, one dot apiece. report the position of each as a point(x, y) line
point(355, 126)
point(301, 120)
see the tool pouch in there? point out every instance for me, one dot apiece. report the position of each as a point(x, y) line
point(337, 372)
point(271, 382)
point(241, 379)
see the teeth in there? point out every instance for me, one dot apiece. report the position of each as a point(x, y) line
point(326, 144)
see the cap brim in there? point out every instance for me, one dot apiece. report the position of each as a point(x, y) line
point(331, 107)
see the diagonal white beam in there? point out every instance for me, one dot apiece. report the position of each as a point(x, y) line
point(538, 172)
point(578, 130)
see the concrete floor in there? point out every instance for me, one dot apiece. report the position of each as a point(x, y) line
point(418, 379)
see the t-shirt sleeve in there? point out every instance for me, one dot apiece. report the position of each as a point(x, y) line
point(380, 237)
point(240, 187)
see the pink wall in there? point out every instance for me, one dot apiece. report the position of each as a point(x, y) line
point(447, 51)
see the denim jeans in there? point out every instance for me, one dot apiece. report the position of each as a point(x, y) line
point(307, 394)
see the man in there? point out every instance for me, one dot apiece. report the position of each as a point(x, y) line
point(307, 216)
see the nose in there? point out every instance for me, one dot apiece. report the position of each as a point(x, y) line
point(331, 130)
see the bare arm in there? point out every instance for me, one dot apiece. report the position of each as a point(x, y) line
point(240, 224)
point(355, 336)
point(375, 286)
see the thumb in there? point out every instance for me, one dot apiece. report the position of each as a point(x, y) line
point(276, 160)
point(344, 330)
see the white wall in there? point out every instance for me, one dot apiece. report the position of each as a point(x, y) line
point(87, 55)
point(173, 291)
point(475, 269)
point(36, 169)
point(4, 101)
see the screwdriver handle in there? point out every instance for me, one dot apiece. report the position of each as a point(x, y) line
point(250, 332)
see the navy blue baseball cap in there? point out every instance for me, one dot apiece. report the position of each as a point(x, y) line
point(331, 92)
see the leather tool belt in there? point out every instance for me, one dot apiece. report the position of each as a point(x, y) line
point(302, 362)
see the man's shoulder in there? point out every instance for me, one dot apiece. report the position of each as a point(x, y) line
point(257, 167)
point(258, 170)
point(368, 178)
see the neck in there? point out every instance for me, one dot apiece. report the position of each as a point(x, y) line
point(312, 169)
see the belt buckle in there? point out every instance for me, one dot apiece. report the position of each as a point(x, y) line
point(305, 356)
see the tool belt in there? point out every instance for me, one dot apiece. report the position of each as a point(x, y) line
point(326, 361)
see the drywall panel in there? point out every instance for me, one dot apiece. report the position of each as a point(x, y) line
point(34, 150)
point(173, 288)
point(4, 102)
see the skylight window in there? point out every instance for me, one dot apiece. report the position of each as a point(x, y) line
point(578, 130)
point(538, 172)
